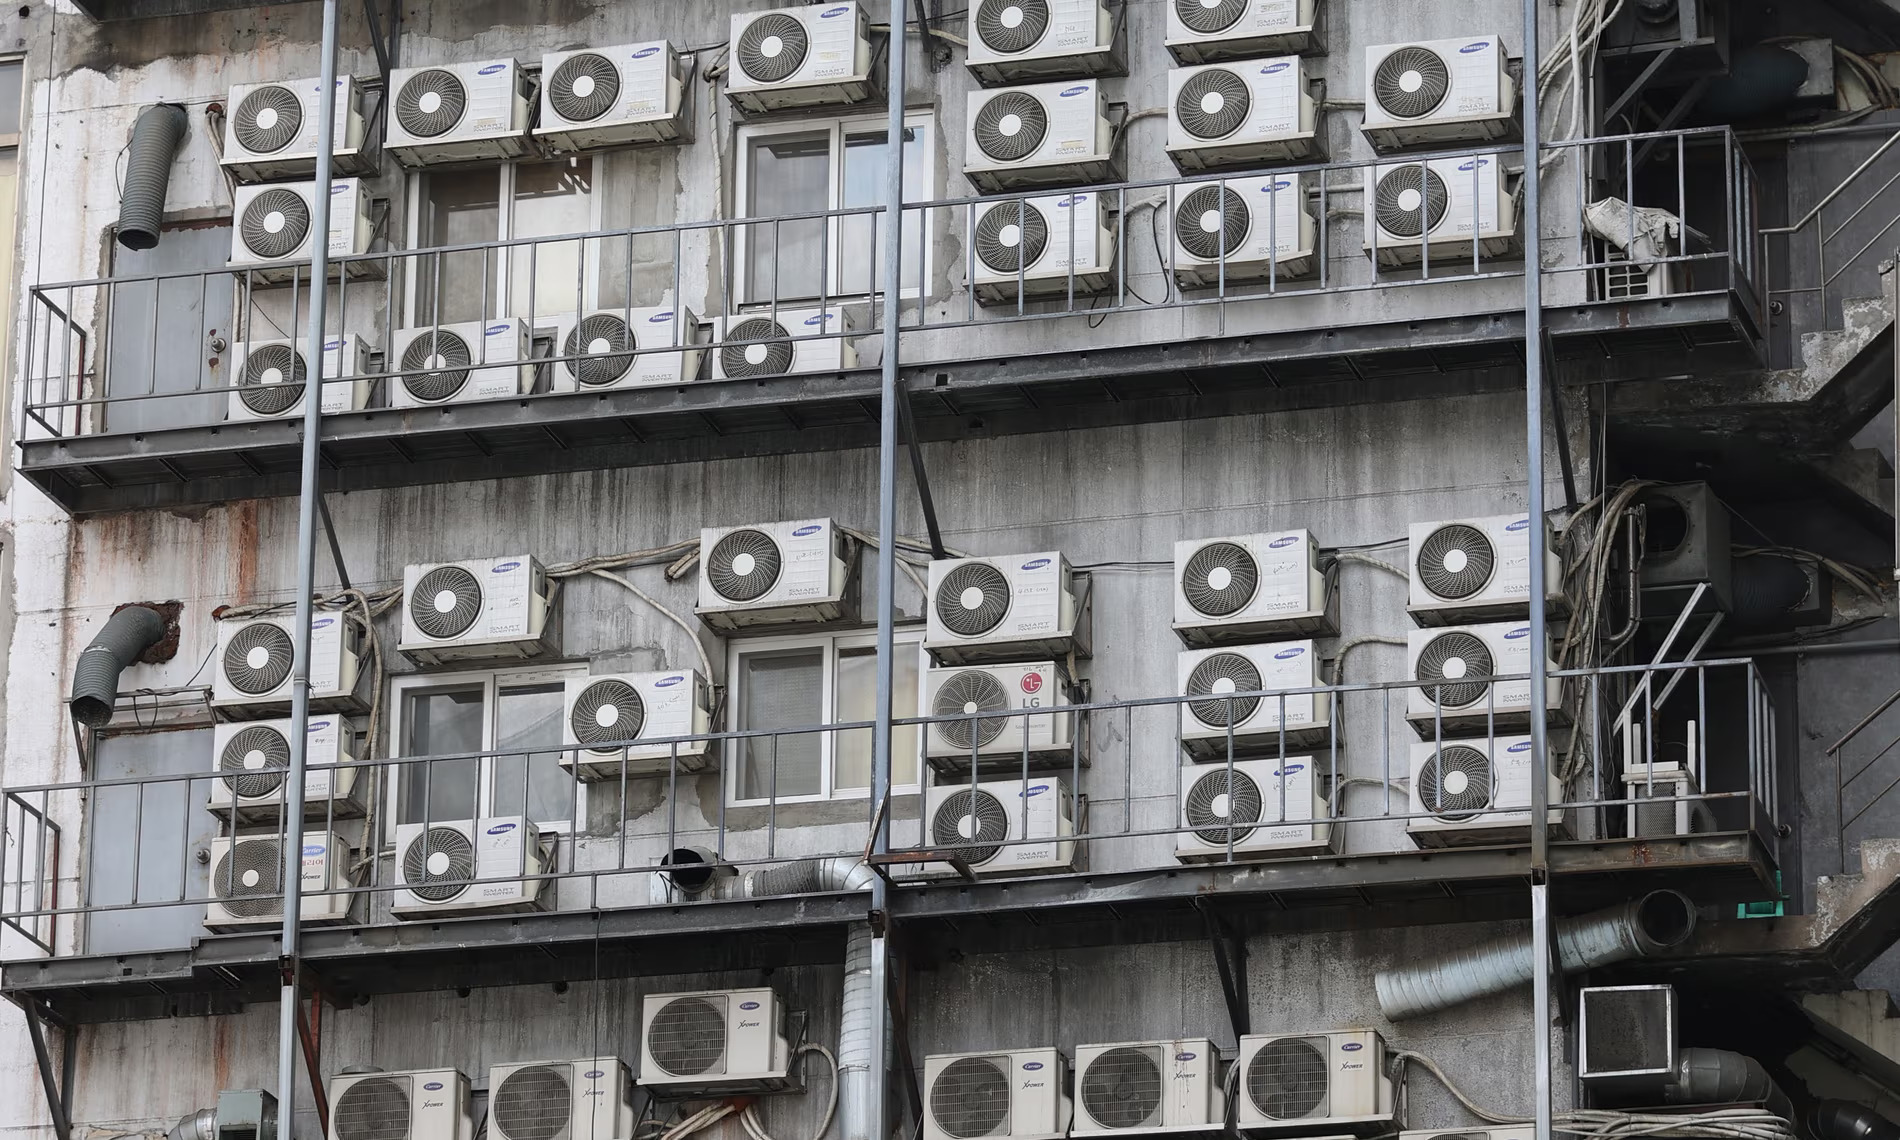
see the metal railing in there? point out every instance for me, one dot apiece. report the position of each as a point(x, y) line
point(1820, 232)
point(1874, 761)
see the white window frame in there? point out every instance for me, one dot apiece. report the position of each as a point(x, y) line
point(830, 643)
point(835, 132)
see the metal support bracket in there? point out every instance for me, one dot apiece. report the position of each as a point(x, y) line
point(907, 431)
point(336, 548)
point(58, 1089)
point(900, 1030)
point(1230, 959)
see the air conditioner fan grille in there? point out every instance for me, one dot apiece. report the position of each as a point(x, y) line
point(971, 821)
point(445, 602)
point(1288, 1079)
point(1213, 103)
point(1456, 784)
point(1216, 808)
point(249, 878)
point(596, 75)
point(257, 658)
point(1411, 82)
point(600, 342)
point(1011, 236)
point(435, 366)
point(431, 103)
point(1010, 27)
point(1212, 222)
point(971, 691)
point(772, 48)
point(1209, 17)
point(375, 1108)
point(275, 223)
point(973, 599)
point(437, 864)
point(1447, 658)
point(1455, 561)
point(273, 379)
point(1224, 673)
point(534, 1103)
point(268, 120)
point(687, 1037)
point(1121, 1088)
point(1010, 126)
point(606, 712)
point(757, 347)
point(744, 565)
point(1410, 201)
point(970, 1098)
point(1221, 577)
point(267, 747)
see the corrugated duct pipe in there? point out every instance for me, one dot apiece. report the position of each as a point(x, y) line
point(148, 173)
point(1717, 1076)
point(119, 642)
point(1637, 929)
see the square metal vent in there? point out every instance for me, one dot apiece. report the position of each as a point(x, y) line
point(1627, 1035)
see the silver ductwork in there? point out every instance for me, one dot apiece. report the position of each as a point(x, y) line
point(1717, 1076)
point(1638, 929)
point(810, 876)
point(200, 1125)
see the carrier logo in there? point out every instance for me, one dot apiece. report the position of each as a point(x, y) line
point(1035, 564)
point(313, 850)
point(1032, 1066)
point(1520, 524)
point(820, 319)
point(1520, 632)
point(594, 1075)
point(505, 567)
point(501, 829)
point(1032, 682)
point(1351, 1047)
point(667, 682)
point(1273, 67)
point(1289, 540)
point(1474, 164)
point(660, 318)
point(1033, 790)
point(1289, 654)
point(1184, 1056)
point(1469, 48)
point(497, 330)
point(1074, 91)
point(433, 1086)
point(645, 52)
point(492, 68)
point(832, 12)
point(813, 528)
point(748, 1005)
point(1520, 746)
point(320, 623)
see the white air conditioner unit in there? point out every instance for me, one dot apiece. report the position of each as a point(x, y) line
point(1478, 570)
point(1042, 247)
point(271, 377)
point(459, 363)
point(1670, 816)
point(254, 659)
point(1438, 91)
point(1254, 724)
point(1313, 1083)
point(426, 1104)
point(589, 1099)
point(1202, 31)
point(1621, 279)
point(482, 609)
point(1018, 1095)
point(784, 343)
point(624, 348)
point(1148, 1087)
point(1444, 657)
point(457, 112)
point(1476, 791)
point(800, 57)
point(271, 129)
point(247, 881)
point(613, 96)
point(251, 758)
point(1003, 826)
point(999, 743)
point(1242, 229)
point(1243, 113)
point(1004, 608)
point(1016, 41)
point(1268, 807)
point(272, 231)
point(774, 574)
point(1041, 135)
point(1523, 1132)
point(714, 1042)
point(1252, 586)
point(438, 863)
point(608, 709)
point(1434, 207)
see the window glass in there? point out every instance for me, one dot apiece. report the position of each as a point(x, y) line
point(438, 723)
point(529, 717)
point(857, 700)
point(862, 261)
point(787, 176)
point(11, 74)
point(551, 198)
point(782, 690)
point(457, 209)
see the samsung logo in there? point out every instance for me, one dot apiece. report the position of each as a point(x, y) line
point(501, 829)
point(1032, 1066)
point(497, 330)
point(1268, 189)
point(1289, 654)
point(433, 1086)
point(1521, 524)
point(1035, 564)
point(1074, 91)
point(1033, 790)
point(1273, 67)
point(1474, 164)
point(645, 52)
point(322, 622)
point(504, 567)
point(812, 528)
point(1289, 540)
point(341, 187)
point(667, 682)
point(832, 13)
point(1184, 1056)
point(1351, 1047)
point(1291, 770)
point(820, 319)
point(1469, 48)
point(1521, 631)
point(493, 68)
point(1071, 200)
point(318, 726)
point(748, 1005)
point(332, 345)
point(1520, 746)
point(313, 850)
point(660, 318)
point(594, 1075)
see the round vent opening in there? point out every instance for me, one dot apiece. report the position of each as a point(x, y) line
point(773, 47)
point(971, 691)
point(1455, 785)
point(249, 877)
point(973, 823)
point(600, 343)
point(535, 1103)
point(1446, 660)
point(273, 379)
point(257, 658)
point(687, 1037)
point(1213, 103)
point(1010, 27)
point(374, 1108)
point(437, 864)
point(1216, 807)
point(268, 120)
point(744, 565)
point(1410, 201)
point(1212, 222)
point(1011, 236)
point(1286, 1080)
point(1219, 675)
point(584, 87)
point(275, 223)
point(247, 760)
point(1010, 126)
point(607, 712)
point(1209, 17)
point(758, 346)
point(1411, 82)
point(430, 103)
point(1121, 1088)
point(970, 1098)
point(435, 366)
point(973, 599)
point(1455, 561)
point(1220, 578)
point(445, 602)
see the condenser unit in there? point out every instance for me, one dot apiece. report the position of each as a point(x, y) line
point(1015, 41)
point(1478, 570)
point(1431, 210)
point(783, 343)
point(1203, 31)
point(458, 112)
point(714, 1042)
point(271, 377)
point(1450, 663)
point(1148, 1087)
point(273, 228)
point(1438, 91)
point(251, 759)
point(1243, 113)
point(1017, 1095)
point(1661, 803)
point(1251, 586)
point(247, 881)
point(1053, 246)
point(1521, 1132)
point(613, 96)
point(438, 863)
point(623, 348)
point(1252, 724)
point(254, 659)
point(1241, 230)
point(800, 57)
point(775, 574)
point(427, 1104)
point(1290, 1083)
point(459, 363)
point(482, 609)
point(1003, 826)
point(603, 713)
point(589, 1099)
point(998, 743)
point(1477, 792)
point(1266, 807)
point(1003, 608)
point(271, 129)
point(1040, 135)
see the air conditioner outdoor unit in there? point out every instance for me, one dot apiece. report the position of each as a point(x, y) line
point(1474, 792)
point(251, 758)
point(481, 609)
point(1042, 247)
point(247, 881)
point(714, 1042)
point(1432, 208)
point(1438, 91)
point(613, 96)
point(271, 131)
point(775, 574)
point(1624, 280)
point(606, 710)
point(800, 57)
point(254, 660)
point(1478, 570)
point(1654, 811)
point(1243, 113)
point(1522, 1132)
point(1202, 31)
point(429, 1104)
point(987, 825)
point(1008, 607)
point(999, 744)
point(459, 363)
point(1250, 587)
point(1042, 135)
point(272, 232)
point(458, 112)
point(1292, 1083)
point(1016, 41)
point(1242, 229)
point(1444, 657)
point(1017, 1095)
point(271, 377)
point(588, 1099)
point(1253, 724)
point(624, 348)
point(1148, 1087)
point(1268, 807)
point(437, 864)
point(784, 343)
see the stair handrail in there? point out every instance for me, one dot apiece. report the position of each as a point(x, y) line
point(1864, 722)
point(1839, 188)
point(1824, 278)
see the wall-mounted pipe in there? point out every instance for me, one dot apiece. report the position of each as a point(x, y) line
point(810, 876)
point(1717, 1076)
point(200, 1125)
point(1636, 929)
point(119, 642)
point(148, 173)
point(1845, 1120)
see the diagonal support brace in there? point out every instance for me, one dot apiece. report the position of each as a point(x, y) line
point(1230, 959)
point(907, 431)
point(59, 1092)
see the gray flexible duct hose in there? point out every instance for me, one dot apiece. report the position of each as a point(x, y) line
point(838, 873)
point(200, 1125)
point(1845, 1120)
point(1636, 929)
point(148, 173)
point(125, 635)
point(1717, 1076)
